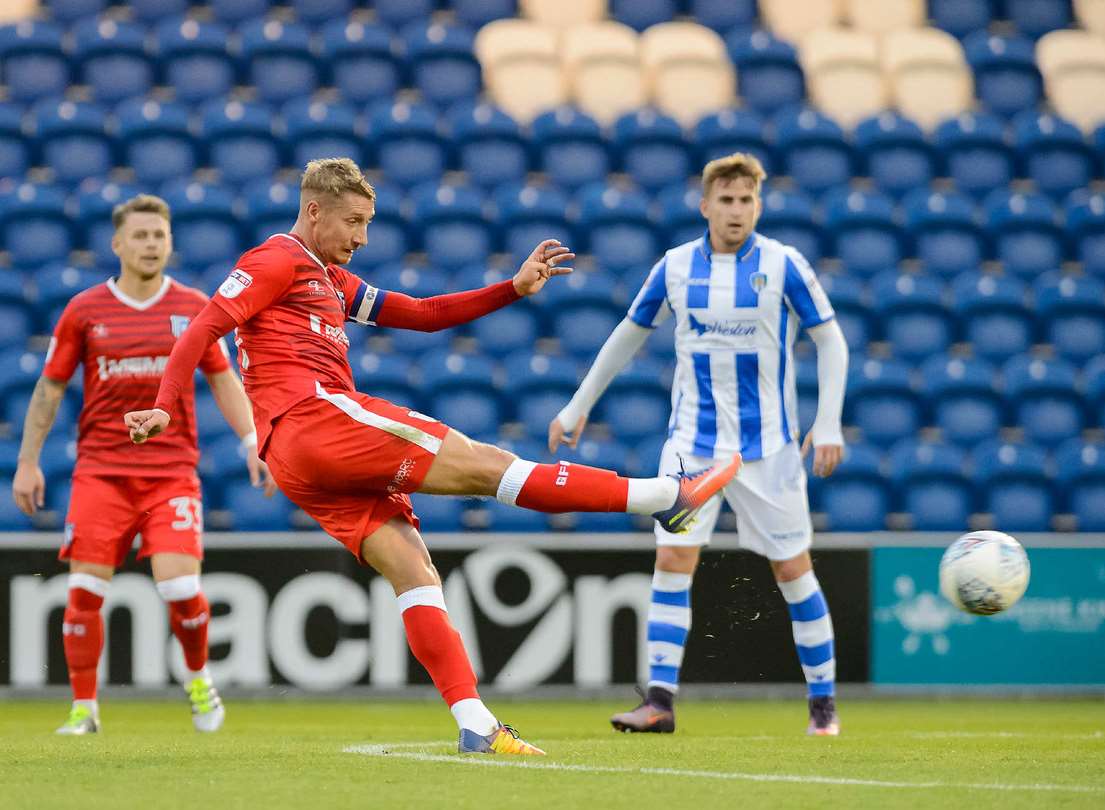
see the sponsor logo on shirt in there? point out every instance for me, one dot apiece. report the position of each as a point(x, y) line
point(314, 286)
point(723, 328)
point(401, 475)
point(334, 333)
point(178, 323)
point(131, 366)
point(235, 283)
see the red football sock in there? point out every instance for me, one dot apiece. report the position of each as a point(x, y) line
point(565, 487)
point(437, 645)
point(188, 619)
point(83, 639)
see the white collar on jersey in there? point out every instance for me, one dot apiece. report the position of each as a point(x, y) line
point(134, 303)
point(305, 248)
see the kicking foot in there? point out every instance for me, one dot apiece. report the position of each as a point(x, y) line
point(694, 490)
point(504, 740)
point(207, 707)
point(81, 720)
point(823, 719)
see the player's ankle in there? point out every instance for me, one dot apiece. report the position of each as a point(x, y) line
point(660, 697)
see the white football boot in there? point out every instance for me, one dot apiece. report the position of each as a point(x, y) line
point(207, 707)
point(81, 720)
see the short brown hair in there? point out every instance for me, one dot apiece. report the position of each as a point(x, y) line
point(335, 176)
point(142, 204)
point(738, 164)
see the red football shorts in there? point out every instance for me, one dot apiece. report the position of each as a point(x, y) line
point(107, 511)
point(348, 460)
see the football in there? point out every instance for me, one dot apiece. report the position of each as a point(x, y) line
point(984, 572)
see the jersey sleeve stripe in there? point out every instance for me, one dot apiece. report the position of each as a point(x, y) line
point(800, 297)
point(646, 306)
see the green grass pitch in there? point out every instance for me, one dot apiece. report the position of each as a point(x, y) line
point(395, 754)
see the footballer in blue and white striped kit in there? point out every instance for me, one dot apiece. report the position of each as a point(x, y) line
point(739, 300)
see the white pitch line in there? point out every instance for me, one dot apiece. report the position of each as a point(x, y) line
point(395, 750)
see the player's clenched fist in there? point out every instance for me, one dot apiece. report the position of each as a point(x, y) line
point(144, 424)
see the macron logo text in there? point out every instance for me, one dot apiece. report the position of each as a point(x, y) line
point(131, 366)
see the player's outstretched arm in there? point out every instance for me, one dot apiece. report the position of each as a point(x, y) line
point(28, 483)
point(825, 436)
point(231, 398)
point(624, 342)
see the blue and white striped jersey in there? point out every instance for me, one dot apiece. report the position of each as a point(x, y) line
point(737, 317)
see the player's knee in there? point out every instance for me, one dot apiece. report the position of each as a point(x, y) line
point(677, 559)
point(786, 570)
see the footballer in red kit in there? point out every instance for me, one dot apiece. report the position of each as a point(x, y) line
point(122, 333)
point(349, 459)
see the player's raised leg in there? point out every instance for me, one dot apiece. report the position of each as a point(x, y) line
point(466, 467)
point(813, 638)
point(397, 551)
point(83, 640)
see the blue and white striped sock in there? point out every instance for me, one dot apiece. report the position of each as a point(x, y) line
point(813, 632)
point(669, 622)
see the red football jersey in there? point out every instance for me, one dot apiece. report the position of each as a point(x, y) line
point(290, 309)
point(124, 345)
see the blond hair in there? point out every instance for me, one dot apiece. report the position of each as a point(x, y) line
point(334, 177)
point(738, 164)
point(141, 204)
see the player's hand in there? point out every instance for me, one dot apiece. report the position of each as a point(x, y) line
point(259, 474)
point(29, 488)
point(550, 258)
point(557, 435)
point(145, 424)
point(826, 457)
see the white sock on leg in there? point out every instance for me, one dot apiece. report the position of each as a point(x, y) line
point(471, 714)
point(649, 495)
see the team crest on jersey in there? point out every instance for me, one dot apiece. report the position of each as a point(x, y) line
point(315, 286)
point(99, 330)
point(758, 281)
point(178, 323)
point(235, 283)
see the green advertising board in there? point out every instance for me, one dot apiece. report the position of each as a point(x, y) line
point(1055, 635)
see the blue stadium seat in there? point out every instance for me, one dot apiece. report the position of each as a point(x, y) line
point(931, 485)
point(961, 396)
point(271, 207)
point(398, 13)
point(1071, 310)
point(917, 321)
point(863, 231)
point(236, 11)
point(93, 218)
point(32, 60)
point(856, 497)
point(1014, 486)
point(409, 148)
point(584, 308)
point(152, 11)
point(314, 12)
point(640, 14)
point(728, 131)
point(1025, 232)
point(488, 144)
point(1007, 80)
point(387, 376)
point(1085, 227)
point(156, 140)
point(59, 455)
point(11, 519)
point(222, 461)
point(15, 289)
point(461, 391)
point(19, 371)
point(9, 450)
point(15, 326)
point(1094, 374)
point(501, 517)
point(417, 282)
point(961, 17)
point(813, 149)
point(513, 328)
point(881, 400)
point(614, 225)
point(652, 149)
point(1053, 153)
point(477, 13)
point(441, 62)
point(853, 310)
point(789, 217)
point(946, 234)
point(1043, 398)
point(993, 313)
point(769, 76)
point(72, 139)
point(644, 461)
point(15, 152)
point(609, 454)
point(976, 152)
point(210, 422)
point(317, 129)
point(538, 386)
point(570, 147)
point(251, 511)
point(193, 58)
point(240, 140)
point(111, 59)
point(723, 15)
point(439, 513)
point(205, 228)
point(680, 214)
point(897, 156)
point(55, 286)
point(278, 60)
point(72, 10)
point(35, 228)
point(389, 234)
point(638, 402)
point(1034, 18)
point(529, 214)
point(454, 229)
point(1080, 475)
point(363, 60)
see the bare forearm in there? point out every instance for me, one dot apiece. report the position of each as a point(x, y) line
point(41, 413)
point(233, 403)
